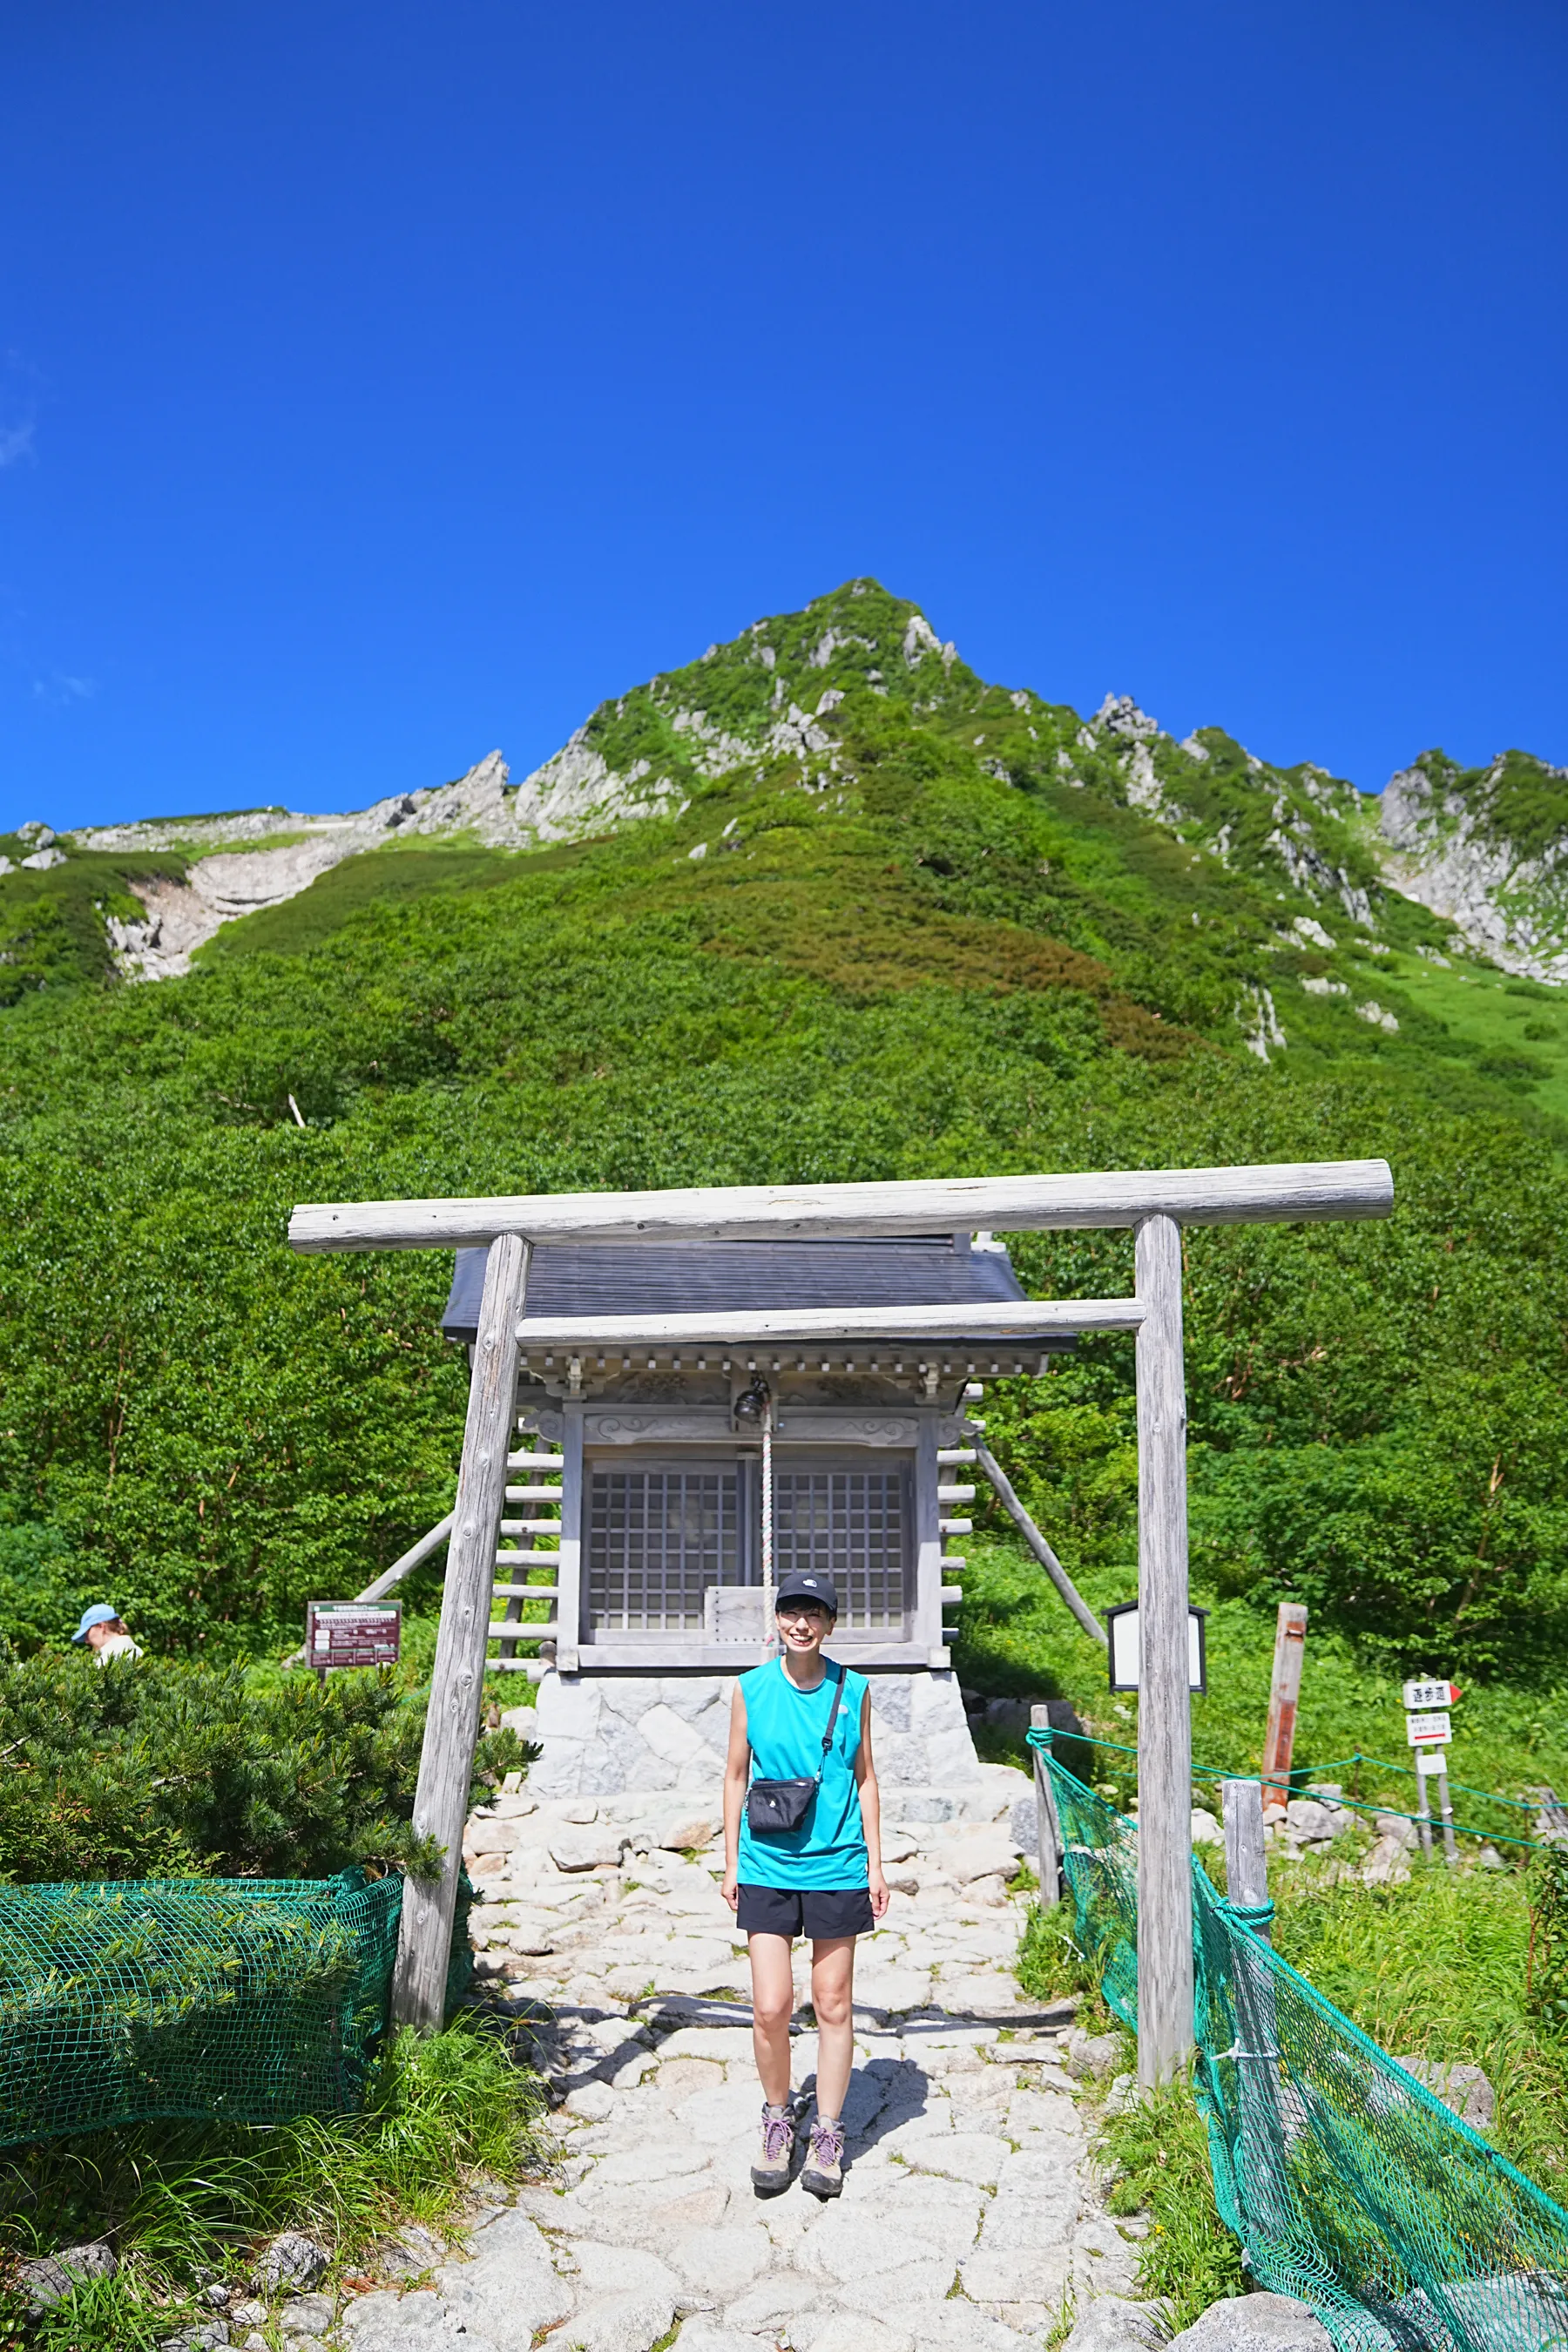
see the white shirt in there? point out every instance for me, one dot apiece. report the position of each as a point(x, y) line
point(118, 1646)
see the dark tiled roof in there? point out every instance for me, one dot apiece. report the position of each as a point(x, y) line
point(660, 1278)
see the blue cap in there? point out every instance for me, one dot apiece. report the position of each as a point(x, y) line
point(812, 1584)
point(100, 1614)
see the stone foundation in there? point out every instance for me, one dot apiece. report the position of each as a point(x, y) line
point(664, 1735)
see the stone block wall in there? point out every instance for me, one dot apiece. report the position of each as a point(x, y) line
point(616, 1735)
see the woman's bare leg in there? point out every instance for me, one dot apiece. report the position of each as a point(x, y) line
point(773, 2006)
point(833, 1998)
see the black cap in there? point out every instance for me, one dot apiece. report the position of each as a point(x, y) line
point(807, 1584)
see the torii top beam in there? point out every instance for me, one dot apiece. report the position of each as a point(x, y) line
point(1283, 1193)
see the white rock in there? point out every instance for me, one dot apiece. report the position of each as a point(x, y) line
point(588, 1848)
point(491, 1837)
point(1115, 2323)
point(851, 2331)
point(955, 2326)
point(1255, 2323)
point(509, 2290)
point(292, 2264)
point(722, 2262)
point(629, 2322)
point(976, 2157)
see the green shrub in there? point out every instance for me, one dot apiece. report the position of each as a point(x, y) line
point(165, 1768)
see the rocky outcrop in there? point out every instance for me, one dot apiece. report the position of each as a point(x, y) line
point(1446, 844)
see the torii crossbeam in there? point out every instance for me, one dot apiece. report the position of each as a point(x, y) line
point(1155, 1203)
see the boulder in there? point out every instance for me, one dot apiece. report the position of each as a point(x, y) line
point(1387, 1865)
point(588, 1848)
point(1308, 1820)
point(1464, 2089)
point(480, 1837)
point(1089, 2053)
point(1207, 1831)
point(968, 1858)
point(680, 1831)
point(1112, 2324)
point(306, 2314)
point(1255, 2323)
point(291, 2264)
point(48, 2277)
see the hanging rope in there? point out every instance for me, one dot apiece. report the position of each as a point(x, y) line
point(769, 1637)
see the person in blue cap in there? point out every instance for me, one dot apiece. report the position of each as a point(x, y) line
point(105, 1633)
point(803, 1856)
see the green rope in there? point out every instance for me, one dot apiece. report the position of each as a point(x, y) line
point(1042, 1739)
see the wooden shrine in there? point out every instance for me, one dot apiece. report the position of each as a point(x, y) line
point(637, 1541)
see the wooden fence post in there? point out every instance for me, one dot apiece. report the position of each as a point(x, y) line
point(1246, 1855)
point(452, 1724)
point(1047, 1830)
point(1284, 1697)
point(1164, 1707)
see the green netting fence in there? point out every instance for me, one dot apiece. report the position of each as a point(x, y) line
point(1347, 2182)
point(232, 2000)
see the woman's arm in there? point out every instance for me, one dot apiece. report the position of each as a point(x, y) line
point(737, 1765)
point(870, 1811)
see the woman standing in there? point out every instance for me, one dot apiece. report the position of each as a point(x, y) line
point(803, 1856)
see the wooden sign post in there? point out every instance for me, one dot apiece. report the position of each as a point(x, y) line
point(1154, 1203)
point(1284, 1697)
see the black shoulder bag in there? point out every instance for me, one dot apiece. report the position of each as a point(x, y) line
point(775, 1805)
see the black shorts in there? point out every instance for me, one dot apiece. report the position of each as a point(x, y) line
point(818, 1911)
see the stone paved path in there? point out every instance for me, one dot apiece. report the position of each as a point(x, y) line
point(971, 2212)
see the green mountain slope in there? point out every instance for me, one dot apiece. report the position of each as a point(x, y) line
point(854, 913)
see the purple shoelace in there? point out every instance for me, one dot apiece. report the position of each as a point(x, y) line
point(828, 2143)
point(778, 2131)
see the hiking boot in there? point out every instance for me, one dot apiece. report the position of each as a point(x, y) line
point(824, 2174)
point(769, 2174)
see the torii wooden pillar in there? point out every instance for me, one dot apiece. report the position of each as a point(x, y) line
point(1154, 1203)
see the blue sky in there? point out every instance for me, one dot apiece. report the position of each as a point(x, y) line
point(382, 384)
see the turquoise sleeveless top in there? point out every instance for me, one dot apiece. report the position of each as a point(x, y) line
point(785, 1726)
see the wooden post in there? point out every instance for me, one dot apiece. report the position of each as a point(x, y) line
point(1165, 1707)
point(926, 1626)
point(1026, 1526)
point(569, 1575)
point(1047, 1828)
point(1257, 2047)
point(1246, 1855)
point(452, 1723)
point(1445, 1808)
point(1284, 1696)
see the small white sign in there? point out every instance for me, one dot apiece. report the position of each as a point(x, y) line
point(1429, 1730)
point(1125, 1646)
point(1421, 1694)
point(1431, 1763)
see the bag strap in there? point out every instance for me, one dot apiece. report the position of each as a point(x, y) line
point(832, 1720)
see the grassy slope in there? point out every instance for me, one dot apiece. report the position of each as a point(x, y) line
point(911, 944)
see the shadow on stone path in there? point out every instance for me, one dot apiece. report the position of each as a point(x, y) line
point(971, 2219)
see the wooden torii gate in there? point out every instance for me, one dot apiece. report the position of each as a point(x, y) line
point(1156, 1204)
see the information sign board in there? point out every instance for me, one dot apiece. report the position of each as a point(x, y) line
point(1429, 1730)
point(1421, 1694)
point(1125, 1647)
point(352, 1633)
